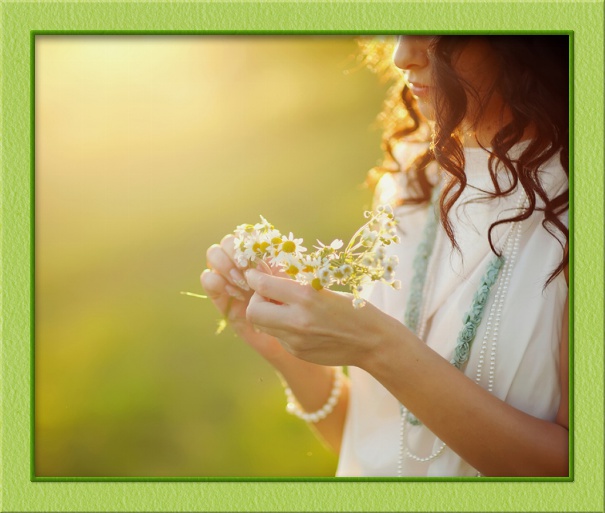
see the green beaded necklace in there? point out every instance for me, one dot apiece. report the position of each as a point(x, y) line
point(471, 319)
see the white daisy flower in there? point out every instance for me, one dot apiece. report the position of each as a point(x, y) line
point(335, 245)
point(254, 248)
point(244, 231)
point(392, 261)
point(275, 239)
point(326, 276)
point(239, 244)
point(359, 303)
point(291, 265)
point(388, 209)
point(306, 278)
point(346, 270)
point(289, 246)
point(368, 260)
point(264, 226)
point(368, 236)
point(342, 273)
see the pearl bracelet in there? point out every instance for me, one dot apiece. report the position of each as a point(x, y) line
point(294, 408)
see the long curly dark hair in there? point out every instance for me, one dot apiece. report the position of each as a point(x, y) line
point(533, 82)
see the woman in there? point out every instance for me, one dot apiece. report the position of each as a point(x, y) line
point(463, 371)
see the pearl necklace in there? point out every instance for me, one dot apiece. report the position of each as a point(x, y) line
point(418, 317)
point(495, 311)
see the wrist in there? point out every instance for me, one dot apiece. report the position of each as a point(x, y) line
point(286, 363)
point(394, 349)
point(294, 408)
point(279, 359)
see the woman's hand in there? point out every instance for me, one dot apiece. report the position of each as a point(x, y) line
point(317, 326)
point(310, 383)
point(226, 286)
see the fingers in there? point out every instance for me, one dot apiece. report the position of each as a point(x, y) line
point(219, 258)
point(218, 288)
point(279, 289)
point(213, 283)
point(214, 286)
point(268, 315)
point(228, 246)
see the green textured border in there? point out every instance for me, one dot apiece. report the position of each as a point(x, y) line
point(19, 20)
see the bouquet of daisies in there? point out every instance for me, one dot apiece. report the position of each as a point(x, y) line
point(364, 259)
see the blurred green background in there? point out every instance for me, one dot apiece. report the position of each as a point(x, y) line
point(148, 150)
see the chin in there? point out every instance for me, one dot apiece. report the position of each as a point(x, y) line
point(426, 109)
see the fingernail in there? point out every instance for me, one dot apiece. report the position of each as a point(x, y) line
point(233, 292)
point(238, 279)
point(251, 276)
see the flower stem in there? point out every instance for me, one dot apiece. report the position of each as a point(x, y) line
point(222, 323)
point(194, 295)
point(357, 234)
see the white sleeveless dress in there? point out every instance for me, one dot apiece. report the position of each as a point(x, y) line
point(526, 373)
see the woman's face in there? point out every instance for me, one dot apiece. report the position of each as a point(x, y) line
point(412, 56)
point(474, 64)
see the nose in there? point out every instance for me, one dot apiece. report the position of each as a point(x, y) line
point(411, 52)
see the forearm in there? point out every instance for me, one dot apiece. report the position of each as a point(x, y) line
point(489, 434)
point(311, 384)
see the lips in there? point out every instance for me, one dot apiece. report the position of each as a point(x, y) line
point(419, 90)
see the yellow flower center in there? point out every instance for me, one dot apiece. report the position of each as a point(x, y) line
point(260, 247)
point(292, 270)
point(289, 247)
